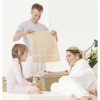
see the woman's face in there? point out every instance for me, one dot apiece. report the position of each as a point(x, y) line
point(71, 59)
point(24, 56)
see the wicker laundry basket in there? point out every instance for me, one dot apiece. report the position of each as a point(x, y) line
point(45, 80)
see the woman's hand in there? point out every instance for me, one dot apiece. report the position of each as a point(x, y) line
point(93, 91)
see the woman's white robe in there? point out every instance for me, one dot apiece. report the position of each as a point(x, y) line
point(80, 78)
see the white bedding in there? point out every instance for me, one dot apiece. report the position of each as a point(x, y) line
point(44, 96)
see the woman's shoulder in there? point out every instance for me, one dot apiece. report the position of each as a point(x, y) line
point(82, 62)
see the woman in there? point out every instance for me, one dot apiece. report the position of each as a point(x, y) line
point(16, 83)
point(80, 77)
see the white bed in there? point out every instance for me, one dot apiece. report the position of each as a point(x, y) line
point(44, 96)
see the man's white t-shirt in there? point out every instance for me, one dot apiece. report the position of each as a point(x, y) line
point(30, 25)
point(30, 67)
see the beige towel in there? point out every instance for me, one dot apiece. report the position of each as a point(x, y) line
point(44, 47)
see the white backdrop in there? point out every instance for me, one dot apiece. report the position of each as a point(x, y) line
point(74, 20)
point(14, 13)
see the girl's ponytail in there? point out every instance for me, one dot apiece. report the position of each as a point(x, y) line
point(17, 51)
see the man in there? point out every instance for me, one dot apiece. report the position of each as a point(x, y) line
point(28, 27)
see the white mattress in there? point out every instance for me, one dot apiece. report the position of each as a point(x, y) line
point(44, 96)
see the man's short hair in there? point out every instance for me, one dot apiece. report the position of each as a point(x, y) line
point(37, 6)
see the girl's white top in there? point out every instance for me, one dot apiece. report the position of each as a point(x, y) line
point(14, 76)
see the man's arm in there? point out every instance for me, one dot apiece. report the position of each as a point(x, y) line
point(20, 34)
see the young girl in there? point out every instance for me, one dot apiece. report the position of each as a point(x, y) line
point(16, 83)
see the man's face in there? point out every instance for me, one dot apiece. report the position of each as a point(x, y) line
point(36, 15)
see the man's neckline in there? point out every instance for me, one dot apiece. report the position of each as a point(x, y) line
point(33, 22)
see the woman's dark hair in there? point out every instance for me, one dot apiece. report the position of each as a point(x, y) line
point(37, 6)
point(17, 51)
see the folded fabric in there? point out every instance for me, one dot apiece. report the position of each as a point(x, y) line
point(44, 47)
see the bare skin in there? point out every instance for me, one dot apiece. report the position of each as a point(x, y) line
point(92, 91)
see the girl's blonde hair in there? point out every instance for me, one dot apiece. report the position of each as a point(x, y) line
point(75, 51)
point(17, 51)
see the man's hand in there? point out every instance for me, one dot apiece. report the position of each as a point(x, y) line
point(54, 33)
point(20, 34)
point(28, 31)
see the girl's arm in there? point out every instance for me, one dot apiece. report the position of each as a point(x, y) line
point(18, 74)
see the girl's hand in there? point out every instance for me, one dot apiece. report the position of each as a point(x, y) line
point(36, 90)
point(35, 84)
point(32, 90)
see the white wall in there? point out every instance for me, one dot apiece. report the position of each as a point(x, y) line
point(74, 20)
point(14, 13)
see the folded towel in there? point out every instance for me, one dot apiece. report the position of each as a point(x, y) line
point(44, 47)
